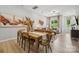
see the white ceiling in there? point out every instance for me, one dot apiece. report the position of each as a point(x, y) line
point(46, 9)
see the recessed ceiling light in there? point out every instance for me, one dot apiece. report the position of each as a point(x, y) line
point(34, 7)
point(54, 11)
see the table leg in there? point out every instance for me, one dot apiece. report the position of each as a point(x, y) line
point(37, 45)
point(17, 37)
point(28, 45)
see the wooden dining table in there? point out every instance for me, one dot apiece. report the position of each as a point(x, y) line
point(35, 36)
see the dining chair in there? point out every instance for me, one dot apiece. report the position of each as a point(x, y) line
point(19, 38)
point(46, 42)
point(25, 38)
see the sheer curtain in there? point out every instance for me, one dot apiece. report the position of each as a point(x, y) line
point(65, 26)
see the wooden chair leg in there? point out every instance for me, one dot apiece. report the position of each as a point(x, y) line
point(19, 40)
point(46, 49)
point(24, 44)
point(43, 48)
point(50, 48)
point(28, 45)
point(17, 37)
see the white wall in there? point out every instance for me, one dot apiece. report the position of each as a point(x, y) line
point(36, 17)
point(14, 10)
point(11, 11)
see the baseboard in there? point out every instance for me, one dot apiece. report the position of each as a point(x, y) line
point(8, 39)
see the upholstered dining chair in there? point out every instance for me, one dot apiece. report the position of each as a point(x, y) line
point(46, 42)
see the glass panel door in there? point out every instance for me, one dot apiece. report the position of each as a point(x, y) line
point(54, 23)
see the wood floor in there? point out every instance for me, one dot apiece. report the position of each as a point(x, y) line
point(62, 44)
point(10, 46)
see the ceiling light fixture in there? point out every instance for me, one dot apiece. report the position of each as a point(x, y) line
point(35, 7)
point(54, 11)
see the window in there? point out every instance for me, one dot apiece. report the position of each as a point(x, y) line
point(54, 23)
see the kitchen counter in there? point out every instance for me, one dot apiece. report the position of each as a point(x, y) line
point(9, 31)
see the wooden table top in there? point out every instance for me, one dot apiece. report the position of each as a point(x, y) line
point(36, 34)
point(33, 35)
